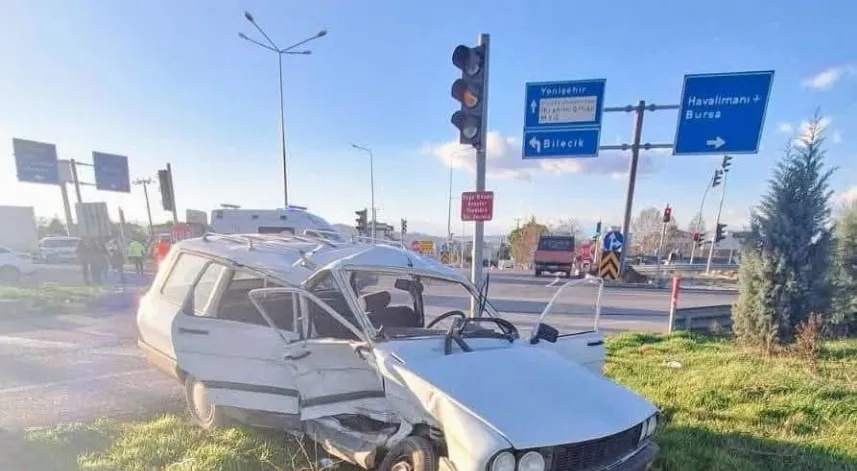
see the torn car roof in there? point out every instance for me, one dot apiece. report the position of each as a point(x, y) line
point(295, 259)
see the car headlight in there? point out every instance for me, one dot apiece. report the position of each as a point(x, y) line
point(644, 431)
point(531, 461)
point(652, 425)
point(504, 461)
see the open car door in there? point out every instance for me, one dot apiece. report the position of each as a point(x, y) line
point(333, 363)
point(224, 344)
point(586, 347)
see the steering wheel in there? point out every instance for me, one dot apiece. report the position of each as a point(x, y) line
point(445, 315)
point(510, 332)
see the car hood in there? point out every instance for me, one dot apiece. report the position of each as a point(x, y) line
point(529, 394)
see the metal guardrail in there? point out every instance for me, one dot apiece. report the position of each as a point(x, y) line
point(684, 268)
point(703, 318)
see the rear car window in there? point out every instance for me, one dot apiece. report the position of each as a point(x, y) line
point(181, 277)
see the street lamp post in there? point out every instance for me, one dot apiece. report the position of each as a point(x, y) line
point(288, 50)
point(371, 183)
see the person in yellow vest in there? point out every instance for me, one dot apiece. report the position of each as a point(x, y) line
point(135, 255)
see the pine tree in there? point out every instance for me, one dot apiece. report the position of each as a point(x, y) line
point(793, 243)
point(845, 271)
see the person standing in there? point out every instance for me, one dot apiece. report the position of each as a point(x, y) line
point(99, 262)
point(117, 261)
point(84, 257)
point(135, 254)
point(162, 249)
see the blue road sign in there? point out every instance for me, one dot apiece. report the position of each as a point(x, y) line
point(722, 113)
point(563, 119)
point(36, 162)
point(561, 143)
point(111, 172)
point(613, 242)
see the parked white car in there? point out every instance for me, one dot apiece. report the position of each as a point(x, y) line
point(14, 265)
point(374, 352)
point(56, 249)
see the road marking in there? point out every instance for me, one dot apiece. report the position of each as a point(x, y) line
point(34, 343)
point(69, 382)
point(553, 283)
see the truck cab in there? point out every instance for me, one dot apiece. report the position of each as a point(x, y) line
point(555, 253)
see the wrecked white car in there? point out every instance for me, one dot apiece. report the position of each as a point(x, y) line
point(387, 359)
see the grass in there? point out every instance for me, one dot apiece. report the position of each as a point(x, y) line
point(51, 298)
point(166, 443)
point(723, 409)
point(730, 409)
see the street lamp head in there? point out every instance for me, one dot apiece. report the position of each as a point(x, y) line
point(321, 33)
point(248, 16)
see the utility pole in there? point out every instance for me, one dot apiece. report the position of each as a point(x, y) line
point(173, 193)
point(481, 162)
point(724, 170)
point(75, 180)
point(145, 182)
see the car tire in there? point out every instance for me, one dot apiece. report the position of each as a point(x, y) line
point(202, 411)
point(9, 275)
point(411, 454)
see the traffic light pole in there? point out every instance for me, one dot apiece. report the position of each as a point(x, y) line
point(716, 225)
point(173, 193)
point(479, 226)
point(699, 223)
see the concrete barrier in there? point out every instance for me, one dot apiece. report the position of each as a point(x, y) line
point(704, 318)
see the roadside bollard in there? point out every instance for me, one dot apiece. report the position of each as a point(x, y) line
point(674, 300)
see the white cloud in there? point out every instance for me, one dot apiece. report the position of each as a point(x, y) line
point(786, 128)
point(504, 160)
point(847, 196)
point(825, 79)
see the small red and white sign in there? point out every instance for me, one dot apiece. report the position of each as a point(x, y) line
point(477, 205)
point(181, 231)
point(415, 246)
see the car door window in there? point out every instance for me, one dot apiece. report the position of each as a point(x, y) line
point(322, 323)
point(236, 305)
point(180, 280)
point(203, 291)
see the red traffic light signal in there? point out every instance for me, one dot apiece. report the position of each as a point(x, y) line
point(668, 214)
point(696, 236)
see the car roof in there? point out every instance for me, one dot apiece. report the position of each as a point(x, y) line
point(295, 259)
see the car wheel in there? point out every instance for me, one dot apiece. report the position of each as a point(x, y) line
point(9, 275)
point(411, 454)
point(202, 411)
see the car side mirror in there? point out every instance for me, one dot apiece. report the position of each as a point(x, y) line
point(544, 332)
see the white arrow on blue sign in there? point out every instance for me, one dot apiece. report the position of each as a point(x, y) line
point(561, 143)
point(722, 113)
point(563, 119)
point(614, 242)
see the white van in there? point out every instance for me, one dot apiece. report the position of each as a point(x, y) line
point(292, 220)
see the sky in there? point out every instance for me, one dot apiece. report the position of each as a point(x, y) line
point(170, 81)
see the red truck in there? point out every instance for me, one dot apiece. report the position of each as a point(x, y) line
point(555, 253)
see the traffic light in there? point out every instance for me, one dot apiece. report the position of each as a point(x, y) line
point(362, 221)
point(697, 236)
point(719, 234)
point(469, 91)
point(717, 178)
point(668, 212)
point(726, 163)
point(404, 227)
point(165, 181)
point(597, 233)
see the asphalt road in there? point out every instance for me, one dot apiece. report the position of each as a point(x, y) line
point(79, 367)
